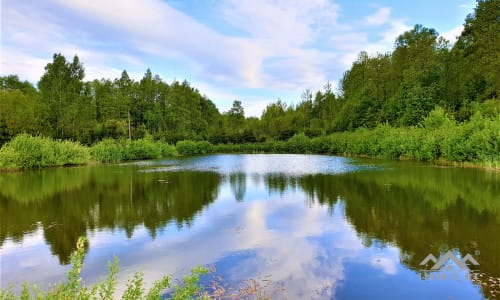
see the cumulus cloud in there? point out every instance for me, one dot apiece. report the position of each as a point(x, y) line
point(452, 34)
point(283, 47)
point(382, 16)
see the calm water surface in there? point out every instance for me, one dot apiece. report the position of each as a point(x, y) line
point(295, 226)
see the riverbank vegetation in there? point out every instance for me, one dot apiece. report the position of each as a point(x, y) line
point(438, 138)
point(110, 150)
point(26, 151)
point(31, 152)
point(384, 106)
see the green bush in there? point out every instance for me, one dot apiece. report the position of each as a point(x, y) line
point(204, 147)
point(186, 148)
point(189, 148)
point(26, 151)
point(109, 150)
point(166, 150)
point(299, 143)
point(142, 149)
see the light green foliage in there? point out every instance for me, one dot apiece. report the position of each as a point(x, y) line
point(188, 148)
point(191, 288)
point(109, 150)
point(27, 151)
point(299, 143)
point(73, 287)
point(476, 141)
point(437, 118)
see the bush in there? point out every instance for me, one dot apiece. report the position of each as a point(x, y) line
point(166, 150)
point(109, 150)
point(299, 143)
point(186, 148)
point(142, 149)
point(27, 152)
point(189, 148)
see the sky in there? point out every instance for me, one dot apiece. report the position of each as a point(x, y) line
point(255, 51)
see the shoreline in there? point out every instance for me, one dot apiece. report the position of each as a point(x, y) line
point(439, 163)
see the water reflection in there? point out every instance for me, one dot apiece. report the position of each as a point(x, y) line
point(307, 233)
point(105, 198)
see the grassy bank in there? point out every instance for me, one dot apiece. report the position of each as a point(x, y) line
point(32, 152)
point(439, 139)
point(28, 152)
point(110, 150)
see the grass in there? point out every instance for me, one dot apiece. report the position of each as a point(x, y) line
point(33, 152)
point(189, 148)
point(28, 152)
point(109, 150)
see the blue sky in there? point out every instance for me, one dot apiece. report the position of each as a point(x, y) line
point(255, 51)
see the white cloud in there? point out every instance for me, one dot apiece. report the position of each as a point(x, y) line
point(381, 17)
point(282, 23)
point(452, 34)
point(159, 30)
point(27, 66)
point(288, 46)
point(387, 264)
point(467, 5)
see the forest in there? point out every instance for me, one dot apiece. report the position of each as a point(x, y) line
point(442, 98)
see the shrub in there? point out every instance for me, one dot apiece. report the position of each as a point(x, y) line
point(186, 148)
point(26, 151)
point(108, 150)
point(189, 148)
point(142, 149)
point(204, 147)
point(166, 150)
point(298, 143)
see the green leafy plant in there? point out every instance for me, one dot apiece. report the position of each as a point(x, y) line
point(73, 287)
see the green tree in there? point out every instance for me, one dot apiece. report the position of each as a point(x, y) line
point(60, 88)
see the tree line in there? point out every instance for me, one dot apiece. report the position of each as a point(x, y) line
point(399, 88)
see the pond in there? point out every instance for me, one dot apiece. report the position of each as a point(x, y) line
point(289, 226)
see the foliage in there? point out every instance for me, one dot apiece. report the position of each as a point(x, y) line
point(109, 150)
point(189, 148)
point(73, 288)
point(26, 151)
point(440, 137)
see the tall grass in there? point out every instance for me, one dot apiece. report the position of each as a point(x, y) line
point(73, 287)
point(26, 151)
point(439, 138)
point(110, 150)
point(189, 148)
